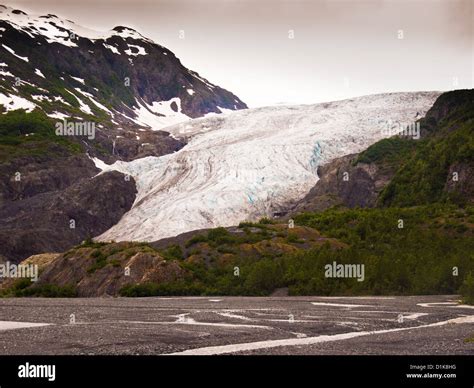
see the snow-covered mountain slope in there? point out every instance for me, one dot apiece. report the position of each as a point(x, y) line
point(252, 163)
point(59, 30)
point(48, 47)
point(118, 79)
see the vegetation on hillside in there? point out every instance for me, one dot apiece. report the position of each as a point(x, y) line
point(24, 287)
point(424, 175)
point(389, 152)
point(33, 133)
point(433, 253)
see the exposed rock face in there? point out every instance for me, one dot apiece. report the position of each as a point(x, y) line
point(76, 268)
point(28, 176)
point(54, 221)
point(42, 260)
point(128, 147)
point(344, 182)
point(461, 180)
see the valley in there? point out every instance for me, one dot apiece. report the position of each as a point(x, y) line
point(180, 186)
point(435, 325)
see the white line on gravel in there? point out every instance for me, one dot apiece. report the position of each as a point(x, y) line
point(291, 320)
point(435, 304)
point(356, 297)
point(234, 348)
point(192, 322)
point(12, 325)
point(453, 305)
point(231, 314)
point(414, 315)
point(341, 304)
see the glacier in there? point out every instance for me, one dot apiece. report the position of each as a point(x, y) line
point(251, 163)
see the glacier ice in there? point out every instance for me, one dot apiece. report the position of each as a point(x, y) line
point(251, 163)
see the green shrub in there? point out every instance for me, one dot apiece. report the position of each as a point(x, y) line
point(217, 234)
point(173, 252)
point(467, 289)
point(389, 150)
point(48, 291)
point(266, 221)
point(199, 238)
point(292, 238)
point(100, 261)
point(246, 224)
point(33, 133)
point(225, 249)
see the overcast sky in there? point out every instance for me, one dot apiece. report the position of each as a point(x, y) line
point(339, 49)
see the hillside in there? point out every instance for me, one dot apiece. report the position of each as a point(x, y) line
point(441, 168)
point(402, 171)
point(259, 258)
point(202, 262)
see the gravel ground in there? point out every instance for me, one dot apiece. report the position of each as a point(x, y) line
point(414, 325)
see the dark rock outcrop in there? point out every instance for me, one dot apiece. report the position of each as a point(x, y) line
point(27, 176)
point(344, 182)
point(54, 221)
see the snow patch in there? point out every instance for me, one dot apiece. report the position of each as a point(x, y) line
point(81, 80)
point(39, 73)
point(12, 102)
point(159, 114)
point(39, 97)
point(82, 106)
point(62, 100)
point(11, 51)
point(95, 102)
point(112, 48)
point(58, 115)
point(5, 73)
point(141, 50)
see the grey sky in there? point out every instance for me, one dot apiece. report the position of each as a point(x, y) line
point(340, 48)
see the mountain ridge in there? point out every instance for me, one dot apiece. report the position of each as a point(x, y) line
point(119, 80)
